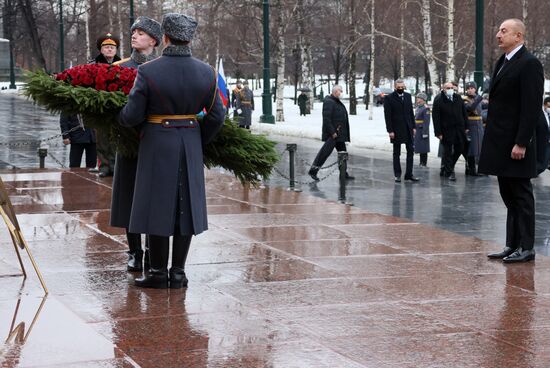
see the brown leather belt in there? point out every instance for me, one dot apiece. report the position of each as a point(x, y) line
point(163, 119)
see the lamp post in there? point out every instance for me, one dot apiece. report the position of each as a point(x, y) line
point(12, 67)
point(131, 12)
point(61, 38)
point(478, 73)
point(267, 115)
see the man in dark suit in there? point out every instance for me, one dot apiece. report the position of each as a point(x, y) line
point(400, 125)
point(509, 144)
point(450, 117)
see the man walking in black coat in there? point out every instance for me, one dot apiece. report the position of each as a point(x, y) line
point(335, 130)
point(400, 125)
point(509, 144)
point(450, 117)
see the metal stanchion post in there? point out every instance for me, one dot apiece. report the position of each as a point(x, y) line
point(42, 153)
point(291, 148)
point(343, 167)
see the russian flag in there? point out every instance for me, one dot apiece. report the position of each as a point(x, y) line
point(222, 84)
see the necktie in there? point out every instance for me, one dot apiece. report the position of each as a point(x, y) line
point(503, 65)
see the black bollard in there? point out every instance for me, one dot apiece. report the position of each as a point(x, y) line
point(342, 166)
point(291, 148)
point(42, 153)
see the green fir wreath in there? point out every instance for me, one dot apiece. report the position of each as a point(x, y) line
point(249, 157)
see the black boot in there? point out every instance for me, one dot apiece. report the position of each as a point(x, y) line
point(157, 278)
point(135, 254)
point(180, 249)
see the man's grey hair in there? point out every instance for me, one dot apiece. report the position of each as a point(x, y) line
point(337, 87)
point(399, 81)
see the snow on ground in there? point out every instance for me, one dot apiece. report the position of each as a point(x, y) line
point(365, 133)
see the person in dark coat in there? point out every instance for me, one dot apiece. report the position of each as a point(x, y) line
point(449, 117)
point(302, 103)
point(107, 46)
point(543, 142)
point(169, 197)
point(146, 35)
point(474, 126)
point(245, 106)
point(335, 131)
point(422, 118)
point(400, 125)
point(81, 139)
point(509, 144)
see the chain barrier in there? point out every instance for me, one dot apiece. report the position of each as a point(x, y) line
point(57, 161)
point(291, 177)
point(284, 176)
point(39, 141)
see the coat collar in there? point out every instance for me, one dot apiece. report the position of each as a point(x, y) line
point(497, 77)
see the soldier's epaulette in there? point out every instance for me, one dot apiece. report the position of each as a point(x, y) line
point(121, 61)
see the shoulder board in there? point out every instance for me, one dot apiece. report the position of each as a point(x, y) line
point(121, 61)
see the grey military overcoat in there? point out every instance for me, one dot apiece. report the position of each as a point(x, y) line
point(170, 171)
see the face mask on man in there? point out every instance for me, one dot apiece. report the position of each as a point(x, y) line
point(450, 92)
point(400, 90)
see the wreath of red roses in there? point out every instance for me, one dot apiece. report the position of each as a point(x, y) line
point(102, 77)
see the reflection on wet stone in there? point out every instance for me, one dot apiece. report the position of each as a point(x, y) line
point(281, 279)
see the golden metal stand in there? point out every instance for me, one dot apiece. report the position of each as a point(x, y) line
point(8, 214)
point(17, 333)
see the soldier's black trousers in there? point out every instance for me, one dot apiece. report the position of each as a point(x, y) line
point(517, 194)
point(397, 159)
point(75, 155)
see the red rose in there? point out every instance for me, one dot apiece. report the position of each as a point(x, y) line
point(112, 87)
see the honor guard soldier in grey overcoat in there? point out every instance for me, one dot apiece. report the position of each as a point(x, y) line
point(146, 35)
point(169, 198)
point(245, 106)
point(422, 122)
point(474, 126)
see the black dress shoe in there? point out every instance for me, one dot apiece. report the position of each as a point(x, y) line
point(135, 261)
point(155, 279)
point(452, 177)
point(313, 173)
point(177, 278)
point(397, 179)
point(500, 255)
point(412, 179)
point(520, 256)
point(349, 177)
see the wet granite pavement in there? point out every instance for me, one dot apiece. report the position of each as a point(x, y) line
point(281, 279)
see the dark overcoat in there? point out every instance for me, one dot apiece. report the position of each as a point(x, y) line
point(543, 143)
point(399, 115)
point(82, 135)
point(124, 177)
point(514, 109)
point(422, 136)
point(449, 117)
point(170, 171)
point(335, 118)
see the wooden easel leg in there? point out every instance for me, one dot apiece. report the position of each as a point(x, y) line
point(34, 265)
point(19, 257)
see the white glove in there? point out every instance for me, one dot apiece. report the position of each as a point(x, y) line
point(239, 111)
